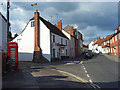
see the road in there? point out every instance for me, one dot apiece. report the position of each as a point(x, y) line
point(99, 70)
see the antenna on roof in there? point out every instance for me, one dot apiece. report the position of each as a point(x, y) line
point(57, 17)
point(51, 19)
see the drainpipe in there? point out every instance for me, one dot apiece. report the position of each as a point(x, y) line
point(50, 46)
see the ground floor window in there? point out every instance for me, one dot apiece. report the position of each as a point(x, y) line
point(66, 52)
point(53, 53)
point(62, 50)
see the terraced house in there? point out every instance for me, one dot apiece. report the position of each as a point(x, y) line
point(109, 45)
point(76, 41)
point(115, 42)
point(41, 38)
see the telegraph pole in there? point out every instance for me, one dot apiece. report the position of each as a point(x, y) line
point(8, 6)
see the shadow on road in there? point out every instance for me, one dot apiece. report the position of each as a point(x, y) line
point(23, 78)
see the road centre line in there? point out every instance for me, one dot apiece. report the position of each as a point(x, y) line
point(90, 80)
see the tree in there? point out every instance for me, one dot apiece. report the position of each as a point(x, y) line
point(10, 36)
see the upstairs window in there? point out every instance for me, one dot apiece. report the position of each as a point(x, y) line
point(32, 23)
point(113, 39)
point(119, 35)
point(53, 38)
point(66, 42)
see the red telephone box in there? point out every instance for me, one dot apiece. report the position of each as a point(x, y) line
point(12, 52)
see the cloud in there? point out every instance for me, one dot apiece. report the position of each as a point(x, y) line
point(90, 17)
point(17, 28)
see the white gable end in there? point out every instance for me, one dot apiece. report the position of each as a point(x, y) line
point(26, 43)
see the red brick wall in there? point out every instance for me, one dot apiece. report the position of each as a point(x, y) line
point(116, 45)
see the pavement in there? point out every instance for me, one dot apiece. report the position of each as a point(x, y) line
point(113, 58)
point(34, 75)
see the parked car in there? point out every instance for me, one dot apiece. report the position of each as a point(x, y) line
point(88, 54)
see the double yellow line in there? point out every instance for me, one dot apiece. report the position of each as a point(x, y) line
point(78, 78)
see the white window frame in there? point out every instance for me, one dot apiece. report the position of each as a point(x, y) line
point(113, 39)
point(119, 35)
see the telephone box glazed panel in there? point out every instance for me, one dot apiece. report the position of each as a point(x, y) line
point(12, 52)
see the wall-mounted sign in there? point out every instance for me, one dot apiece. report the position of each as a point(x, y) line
point(12, 44)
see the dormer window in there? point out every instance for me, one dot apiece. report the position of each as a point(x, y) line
point(32, 23)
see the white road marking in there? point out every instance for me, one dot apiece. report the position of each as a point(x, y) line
point(90, 81)
point(88, 76)
point(85, 71)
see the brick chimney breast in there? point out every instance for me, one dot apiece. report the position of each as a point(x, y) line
point(36, 32)
point(37, 50)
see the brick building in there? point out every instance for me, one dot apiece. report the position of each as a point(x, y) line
point(115, 42)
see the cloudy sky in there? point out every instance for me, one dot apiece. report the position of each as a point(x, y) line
point(92, 18)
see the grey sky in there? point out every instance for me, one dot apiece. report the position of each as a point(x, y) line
point(92, 18)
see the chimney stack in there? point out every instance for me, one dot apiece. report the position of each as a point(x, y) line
point(71, 31)
point(36, 32)
point(37, 50)
point(60, 25)
point(117, 30)
point(98, 37)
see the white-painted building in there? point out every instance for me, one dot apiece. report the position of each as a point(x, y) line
point(97, 48)
point(91, 46)
point(3, 35)
point(97, 45)
point(53, 43)
point(71, 44)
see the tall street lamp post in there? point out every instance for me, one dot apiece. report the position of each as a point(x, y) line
point(8, 6)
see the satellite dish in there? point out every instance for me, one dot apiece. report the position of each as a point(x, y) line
point(75, 26)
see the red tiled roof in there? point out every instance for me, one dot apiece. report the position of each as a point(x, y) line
point(98, 41)
point(108, 37)
point(51, 27)
point(86, 46)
